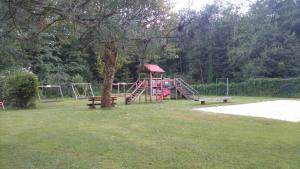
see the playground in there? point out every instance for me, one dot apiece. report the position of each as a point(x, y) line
point(170, 135)
point(157, 122)
point(151, 84)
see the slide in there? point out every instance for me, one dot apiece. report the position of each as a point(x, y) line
point(166, 92)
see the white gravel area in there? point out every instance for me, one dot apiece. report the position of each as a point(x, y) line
point(287, 110)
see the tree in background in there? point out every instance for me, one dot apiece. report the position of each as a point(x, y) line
point(220, 41)
point(102, 40)
point(204, 42)
point(107, 24)
point(266, 44)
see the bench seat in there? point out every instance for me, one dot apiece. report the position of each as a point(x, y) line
point(96, 101)
point(213, 99)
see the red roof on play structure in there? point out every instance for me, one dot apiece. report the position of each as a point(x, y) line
point(154, 68)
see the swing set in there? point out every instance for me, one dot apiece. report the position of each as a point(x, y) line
point(82, 90)
point(49, 93)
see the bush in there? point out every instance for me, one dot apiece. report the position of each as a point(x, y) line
point(21, 90)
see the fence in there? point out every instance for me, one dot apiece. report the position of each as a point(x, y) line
point(255, 87)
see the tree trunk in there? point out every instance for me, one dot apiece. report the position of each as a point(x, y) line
point(110, 60)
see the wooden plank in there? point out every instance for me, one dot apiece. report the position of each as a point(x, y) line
point(97, 101)
point(214, 99)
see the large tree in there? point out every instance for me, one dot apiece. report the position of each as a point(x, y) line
point(111, 25)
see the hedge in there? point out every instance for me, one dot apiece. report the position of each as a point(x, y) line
point(255, 87)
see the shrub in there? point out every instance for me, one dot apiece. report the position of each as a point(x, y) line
point(21, 90)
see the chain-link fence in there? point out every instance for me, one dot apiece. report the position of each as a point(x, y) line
point(254, 87)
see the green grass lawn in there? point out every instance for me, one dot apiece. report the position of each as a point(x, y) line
point(168, 135)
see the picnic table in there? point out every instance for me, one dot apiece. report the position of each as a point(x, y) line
point(96, 100)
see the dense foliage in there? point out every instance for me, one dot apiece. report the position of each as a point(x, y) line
point(62, 41)
point(21, 90)
point(222, 42)
point(59, 39)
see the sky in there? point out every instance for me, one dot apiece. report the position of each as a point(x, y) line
point(198, 4)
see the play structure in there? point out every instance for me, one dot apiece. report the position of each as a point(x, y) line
point(183, 90)
point(49, 93)
point(156, 88)
point(82, 90)
point(149, 82)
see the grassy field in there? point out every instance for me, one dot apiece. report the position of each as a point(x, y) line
point(168, 135)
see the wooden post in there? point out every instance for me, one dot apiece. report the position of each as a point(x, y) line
point(151, 92)
point(118, 89)
point(125, 95)
point(175, 83)
point(146, 94)
point(156, 93)
point(146, 88)
point(161, 87)
point(124, 87)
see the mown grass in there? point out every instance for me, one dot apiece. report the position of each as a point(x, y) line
point(168, 135)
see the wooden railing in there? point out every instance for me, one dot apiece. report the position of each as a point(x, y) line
point(136, 86)
point(178, 82)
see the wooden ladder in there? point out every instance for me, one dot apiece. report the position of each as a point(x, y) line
point(138, 90)
point(186, 90)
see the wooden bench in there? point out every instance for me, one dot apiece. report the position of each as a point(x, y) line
point(96, 101)
point(214, 99)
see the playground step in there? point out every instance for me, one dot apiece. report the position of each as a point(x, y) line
point(135, 94)
point(185, 93)
point(184, 89)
